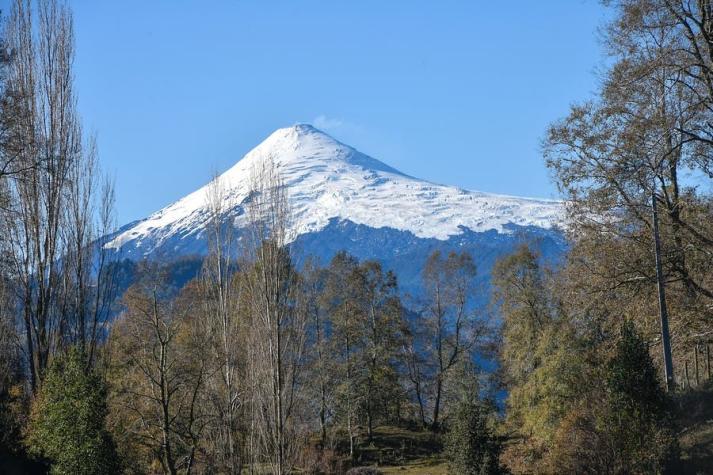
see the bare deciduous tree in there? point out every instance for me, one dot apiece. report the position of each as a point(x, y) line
point(50, 216)
point(277, 332)
point(449, 324)
point(222, 295)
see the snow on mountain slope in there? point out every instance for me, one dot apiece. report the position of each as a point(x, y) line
point(329, 180)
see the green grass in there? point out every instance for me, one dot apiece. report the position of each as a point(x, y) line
point(402, 450)
point(433, 466)
point(695, 421)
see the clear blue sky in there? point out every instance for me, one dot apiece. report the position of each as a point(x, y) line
point(456, 92)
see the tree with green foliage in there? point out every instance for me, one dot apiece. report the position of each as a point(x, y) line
point(623, 423)
point(545, 362)
point(380, 309)
point(365, 333)
point(67, 426)
point(637, 418)
point(471, 446)
point(520, 295)
point(346, 342)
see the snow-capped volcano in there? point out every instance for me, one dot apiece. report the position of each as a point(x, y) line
point(328, 181)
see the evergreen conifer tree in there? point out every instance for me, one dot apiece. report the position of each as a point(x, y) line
point(636, 418)
point(471, 447)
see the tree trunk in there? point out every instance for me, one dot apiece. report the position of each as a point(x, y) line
point(420, 405)
point(695, 356)
point(663, 311)
point(437, 404)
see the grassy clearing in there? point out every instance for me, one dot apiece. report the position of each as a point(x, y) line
point(695, 420)
point(432, 466)
point(404, 451)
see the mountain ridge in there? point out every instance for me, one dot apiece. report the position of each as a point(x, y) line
point(328, 180)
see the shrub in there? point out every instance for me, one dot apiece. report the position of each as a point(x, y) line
point(67, 420)
point(622, 426)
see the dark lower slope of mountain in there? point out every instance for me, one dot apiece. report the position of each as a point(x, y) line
point(405, 253)
point(397, 250)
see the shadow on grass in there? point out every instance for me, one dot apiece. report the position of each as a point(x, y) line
point(694, 416)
